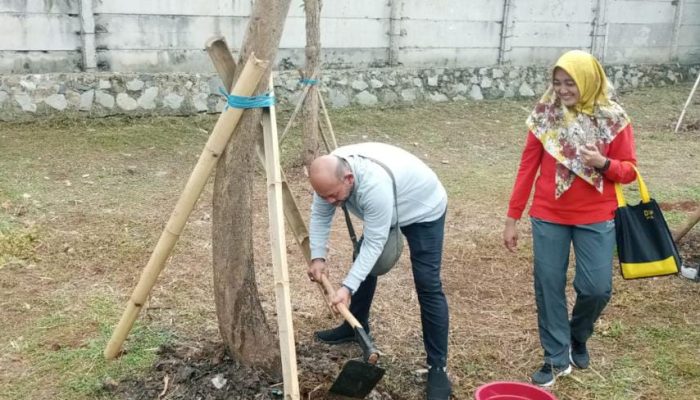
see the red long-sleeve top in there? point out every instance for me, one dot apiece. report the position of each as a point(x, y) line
point(581, 203)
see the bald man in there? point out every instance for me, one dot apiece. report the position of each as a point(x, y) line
point(365, 177)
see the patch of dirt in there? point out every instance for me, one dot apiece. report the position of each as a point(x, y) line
point(689, 126)
point(689, 248)
point(207, 372)
point(687, 206)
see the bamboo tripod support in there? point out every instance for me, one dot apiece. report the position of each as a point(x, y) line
point(225, 125)
point(275, 209)
point(223, 62)
point(333, 144)
point(687, 102)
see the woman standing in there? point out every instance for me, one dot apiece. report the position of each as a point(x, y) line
point(581, 141)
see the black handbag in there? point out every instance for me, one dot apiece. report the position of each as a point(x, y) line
point(645, 246)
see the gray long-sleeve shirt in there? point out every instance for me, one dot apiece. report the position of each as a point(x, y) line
point(420, 198)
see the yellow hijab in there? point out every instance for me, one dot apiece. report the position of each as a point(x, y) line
point(595, 119)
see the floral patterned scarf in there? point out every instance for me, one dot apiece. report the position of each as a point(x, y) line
point(596, 119)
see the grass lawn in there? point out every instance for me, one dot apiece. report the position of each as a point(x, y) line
point(83, 202)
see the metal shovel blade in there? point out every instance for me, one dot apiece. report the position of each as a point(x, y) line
point(357, 379)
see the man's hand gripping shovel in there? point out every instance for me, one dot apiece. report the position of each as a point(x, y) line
point(357, 378)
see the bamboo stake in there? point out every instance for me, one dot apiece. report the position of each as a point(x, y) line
point(689, 224)
point(297, 108)
point(324, 137)
point(226, 124)
point(690, 97)
point(291, 209)
point(295, 220)
point(222, 59)
point(328, 120)
point(279, 253)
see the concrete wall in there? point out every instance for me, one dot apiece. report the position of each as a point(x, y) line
point(41, 36)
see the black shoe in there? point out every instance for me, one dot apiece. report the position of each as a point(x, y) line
point(439, 386)
point(548, 374)
point(578, 354)
point(341, 334)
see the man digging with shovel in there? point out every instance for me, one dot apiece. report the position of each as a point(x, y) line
point(389, 189)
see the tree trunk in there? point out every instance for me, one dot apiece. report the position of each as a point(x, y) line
point(313, 50)
point(242, 323)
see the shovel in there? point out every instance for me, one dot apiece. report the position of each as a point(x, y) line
point(357, 378)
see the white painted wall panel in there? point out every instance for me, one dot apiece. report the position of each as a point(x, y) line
point(691, 14)
point(640, 12)
point(537, 55)
point(170, 34)
point(346, 9)
point(445, 34)
point(165, 32)
point(39, 32)
point(555, 10)
point(238, 8)
point(640, 35)
point(627, 55)
point(39, 62)
point(355, 9)
point(449, 57)
point(339, 32)
point(336, 57)
point(40, 6)
point(198, 60)
point(689, 35)
point(156, 60)
point(688, 55)
point(551, 34)
point(471, 10)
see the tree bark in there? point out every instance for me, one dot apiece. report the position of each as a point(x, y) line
point(310, 141)
point(242, 323)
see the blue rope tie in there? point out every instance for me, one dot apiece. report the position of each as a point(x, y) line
point(309, 82)
point(260, 101)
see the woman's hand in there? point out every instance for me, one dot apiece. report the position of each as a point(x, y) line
point(591, 157)
point(510, 234)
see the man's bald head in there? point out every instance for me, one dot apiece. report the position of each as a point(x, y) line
point(331, 178)
point(327, 165)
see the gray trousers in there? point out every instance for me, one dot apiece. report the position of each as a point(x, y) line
point(593, 248)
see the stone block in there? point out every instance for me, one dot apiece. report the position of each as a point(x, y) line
point(57, 101)
point(525, 90)
point(86, 100)
point(25, 102)
point(475, 93)
point(173, 101)
point(365, 98)
point(126, 103)
point(147, 100)
point(106, 100)
point(135, 85)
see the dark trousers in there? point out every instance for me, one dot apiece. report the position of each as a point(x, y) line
point(425, 241)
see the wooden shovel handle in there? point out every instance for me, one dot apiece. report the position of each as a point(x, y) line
point(342, 308)
point(689, 224)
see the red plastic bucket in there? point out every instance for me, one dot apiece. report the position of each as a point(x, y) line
point(511, 391)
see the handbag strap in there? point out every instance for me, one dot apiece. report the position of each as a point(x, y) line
point(643, 191)
point(348, 222)
point(351, 231)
